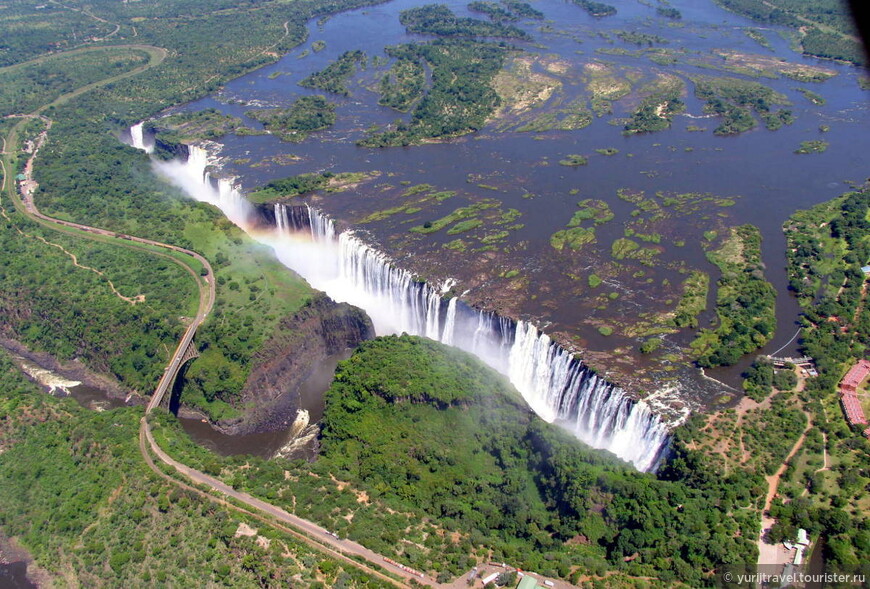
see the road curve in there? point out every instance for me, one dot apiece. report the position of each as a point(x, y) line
point(313, 534)
point(307, 531)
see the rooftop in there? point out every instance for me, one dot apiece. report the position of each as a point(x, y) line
point(856, 374)
point(527, 582)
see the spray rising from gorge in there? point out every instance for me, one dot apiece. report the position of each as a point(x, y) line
point(556, 385)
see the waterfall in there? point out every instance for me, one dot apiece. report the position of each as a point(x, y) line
point(137, 136)
point(555, 384)
point(195, 178)
point(450, 322)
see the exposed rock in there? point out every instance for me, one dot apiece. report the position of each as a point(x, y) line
point(169, 149)
point(296, 217)
point(322, 328)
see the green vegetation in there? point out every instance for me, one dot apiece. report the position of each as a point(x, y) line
point(734, 99)
point(827, 246)
point(594, 281)
point(335, 76)
point(438, 19)
point(744, 301)
point(758, 37)
point(641, 39)
point(605, 330)
point(651, 345)
point(693, 301)
point(188, 127)
point(318, 46)
point(597, 9)
point(461, 97)
point(657, 110)
point(25, 87)
point(813, 97)
point(827, 27)
point(403, 85)
point(622, 248)
point(306, 183)
point(832, 46)
point(75, 491)
point(306, 115)
point(758, 380)
point(606, 84)
point(812, 146)
point(460, 214)
point(523, 9)
point(492, 9)
point(771, 434)
point(669, 12)
point(574, 159)
point(607, 151)
point(574, 238)
point(591, 209)
point(509, 486)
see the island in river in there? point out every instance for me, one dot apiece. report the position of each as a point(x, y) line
point(586, 176)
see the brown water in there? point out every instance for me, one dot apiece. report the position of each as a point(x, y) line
point(14, 576)
point(264, 444)
point(759, 169)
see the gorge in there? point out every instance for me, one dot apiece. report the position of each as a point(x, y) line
point(557, 385)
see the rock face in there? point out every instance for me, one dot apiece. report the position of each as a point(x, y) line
point(322, 328)
point(167, 149)
point(293, 217)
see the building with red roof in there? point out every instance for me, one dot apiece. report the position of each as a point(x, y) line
point(849, 394)
point(855, 376)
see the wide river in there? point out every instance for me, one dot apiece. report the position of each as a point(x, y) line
point(758, 169)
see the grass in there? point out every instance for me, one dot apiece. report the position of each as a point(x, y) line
point(622, 248)
point(459, 214)
point(463, 226)
point(574, 159)
point(574, 238)
point(693, 301)
point(813, 146)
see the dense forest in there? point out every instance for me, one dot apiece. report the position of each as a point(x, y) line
point(303, 117)
point(461, 97)
point(745, 301)
point(403, 85)
point(76, 492)
point(734, 100)
point(335, 76)
point(438, 19)
point(826, 25)
point(430, 434)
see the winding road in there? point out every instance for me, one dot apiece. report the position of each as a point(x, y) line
point(348, 552)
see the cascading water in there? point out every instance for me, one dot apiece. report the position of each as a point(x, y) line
point(194, 177)
point(449, 322)
point(137, 136)
point(555, 384)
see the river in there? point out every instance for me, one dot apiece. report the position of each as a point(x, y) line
point(757, 169)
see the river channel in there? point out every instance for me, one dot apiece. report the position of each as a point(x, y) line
point(759, 170)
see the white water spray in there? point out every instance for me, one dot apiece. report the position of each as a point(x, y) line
point(137, 136)
point(557, 386)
